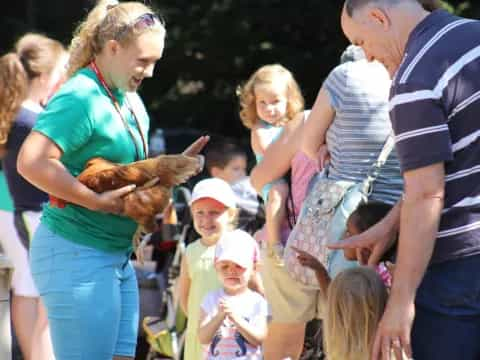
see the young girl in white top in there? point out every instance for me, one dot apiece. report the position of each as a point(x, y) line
point(233, 319)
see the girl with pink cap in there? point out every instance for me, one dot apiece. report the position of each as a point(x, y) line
point(233, 319)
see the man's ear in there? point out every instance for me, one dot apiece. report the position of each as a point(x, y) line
point(379, 17)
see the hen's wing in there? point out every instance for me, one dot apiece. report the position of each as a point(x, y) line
point(144, 203)
point(101, 175)
point(170, 169)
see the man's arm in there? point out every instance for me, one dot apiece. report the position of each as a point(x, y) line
point(419, 221)
point(421, 210)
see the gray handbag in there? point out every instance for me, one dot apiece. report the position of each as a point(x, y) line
point(323, 220)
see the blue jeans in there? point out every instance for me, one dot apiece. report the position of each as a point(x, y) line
point(447, 312)
point(91, 297)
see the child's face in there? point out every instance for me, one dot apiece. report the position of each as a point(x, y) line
point(210, 218)
point(350, 254)
point(235, 170)
point(232, 276)
point(271, 102)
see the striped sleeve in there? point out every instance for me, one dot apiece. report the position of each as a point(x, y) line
point(419, 121)
point(335, 85)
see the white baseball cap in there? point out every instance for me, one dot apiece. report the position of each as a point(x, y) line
point(239, 247)
point(216, 189)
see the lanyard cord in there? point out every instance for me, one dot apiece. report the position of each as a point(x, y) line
point(112, 97)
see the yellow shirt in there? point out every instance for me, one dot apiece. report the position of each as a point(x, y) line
point(203, 279)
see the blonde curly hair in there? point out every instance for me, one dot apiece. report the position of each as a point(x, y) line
point(109, 20)
point(269, 75)
point(34, 55)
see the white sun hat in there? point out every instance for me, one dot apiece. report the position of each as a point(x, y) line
point(239, 247)
point(216, 189)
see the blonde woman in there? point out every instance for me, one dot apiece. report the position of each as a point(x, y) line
point(28, 75)
point(80, 253)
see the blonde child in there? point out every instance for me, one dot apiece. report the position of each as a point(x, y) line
point(356, 297)
point(233, 319)
point(271, 101)
point(356, 300)
point(214, 212)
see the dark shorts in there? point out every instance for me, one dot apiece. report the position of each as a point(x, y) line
point(447, 319)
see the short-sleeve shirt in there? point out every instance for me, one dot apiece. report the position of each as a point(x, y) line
point(228, 343)
point(435, 107)
point(358, 92)
point(26, 197)
point(303, 169)
point(6, 203)
point(272, 133)
point(81, 119)
point(203, 279)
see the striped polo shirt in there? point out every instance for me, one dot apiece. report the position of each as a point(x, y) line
point(435, 112)
point(358, 91)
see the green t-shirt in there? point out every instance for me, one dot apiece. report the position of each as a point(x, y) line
point(81, 119)
point(6, 203)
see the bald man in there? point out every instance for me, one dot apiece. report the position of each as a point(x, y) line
point(434, 61)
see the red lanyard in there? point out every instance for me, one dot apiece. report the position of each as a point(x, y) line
point(56, 202)
point(112, 97)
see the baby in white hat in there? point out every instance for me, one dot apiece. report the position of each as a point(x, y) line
point(233, 319)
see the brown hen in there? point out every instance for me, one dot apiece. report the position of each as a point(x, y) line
point(154, 178)
point(101, 175)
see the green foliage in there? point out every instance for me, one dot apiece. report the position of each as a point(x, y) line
point(458, 9)
point(212, 47)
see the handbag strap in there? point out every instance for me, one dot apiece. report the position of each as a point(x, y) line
point(381, 160)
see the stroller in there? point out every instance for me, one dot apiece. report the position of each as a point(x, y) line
point(164, 331)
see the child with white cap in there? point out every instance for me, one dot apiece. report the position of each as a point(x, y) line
point(233, 319)
point(214, 212)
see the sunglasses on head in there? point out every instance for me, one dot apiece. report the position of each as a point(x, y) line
point(142, 22)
